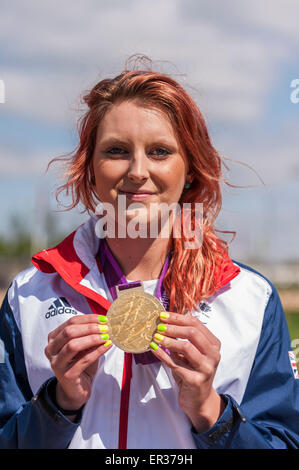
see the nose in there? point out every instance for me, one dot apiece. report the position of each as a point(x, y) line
point(138, 169)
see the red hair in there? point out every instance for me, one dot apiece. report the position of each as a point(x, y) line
point(190, 277)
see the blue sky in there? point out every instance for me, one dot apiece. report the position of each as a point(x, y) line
point(237, 59)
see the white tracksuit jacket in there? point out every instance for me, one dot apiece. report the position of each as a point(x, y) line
point(257, 373)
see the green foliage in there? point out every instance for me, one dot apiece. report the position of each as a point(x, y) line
point(20, 243)
point(15, 248)
point(293, 324)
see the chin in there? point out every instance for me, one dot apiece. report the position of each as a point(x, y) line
point(137, 216)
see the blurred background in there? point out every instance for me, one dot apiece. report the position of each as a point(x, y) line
point(239, 61)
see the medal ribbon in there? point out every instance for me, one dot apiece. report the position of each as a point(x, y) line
point(115, 277)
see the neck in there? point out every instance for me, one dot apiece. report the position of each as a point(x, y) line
point(139, 258)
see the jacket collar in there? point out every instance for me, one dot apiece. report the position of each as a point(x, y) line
point(75, 260)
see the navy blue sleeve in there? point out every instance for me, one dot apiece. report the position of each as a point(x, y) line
point(268, 416)
point(26, 421)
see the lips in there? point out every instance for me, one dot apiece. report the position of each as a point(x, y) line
point(143, 191)
point(137, 195)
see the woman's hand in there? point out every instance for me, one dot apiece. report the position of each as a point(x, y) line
point(73, 350)
point(193, 363)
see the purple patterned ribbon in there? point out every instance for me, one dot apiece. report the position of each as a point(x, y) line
point(115, 277)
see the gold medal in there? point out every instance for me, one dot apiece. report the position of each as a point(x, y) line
point(133, 318)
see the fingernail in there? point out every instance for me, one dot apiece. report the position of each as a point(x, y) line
point(102, 318)
point(164, 315)
point(105, 336)
point(108, 343)
point(159, 337)
point(154, 346)
point(161, 327)
point(103, 328)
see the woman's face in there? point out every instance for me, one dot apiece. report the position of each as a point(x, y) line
point(137, 155)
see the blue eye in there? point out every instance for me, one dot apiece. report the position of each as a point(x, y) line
point(160, 152)
point(157, 152)
point(116, 151)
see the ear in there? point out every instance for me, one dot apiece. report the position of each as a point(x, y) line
point(190, 177)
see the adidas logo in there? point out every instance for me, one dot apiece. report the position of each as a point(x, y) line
point(60, 306)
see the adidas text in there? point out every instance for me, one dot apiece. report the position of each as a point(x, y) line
point(59, 307)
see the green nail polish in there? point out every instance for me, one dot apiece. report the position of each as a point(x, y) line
point(154, 346)
point(162, 327)
point(104, 336)
point(102, 318)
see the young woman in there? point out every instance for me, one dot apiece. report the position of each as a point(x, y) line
point(219, 370)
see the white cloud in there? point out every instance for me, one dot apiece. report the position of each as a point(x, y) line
point(230, 51)
point(56, 49)
point(26, 164)
point(260, 17)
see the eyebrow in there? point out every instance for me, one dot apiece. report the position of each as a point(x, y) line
point(157, 141)
point(112, 140)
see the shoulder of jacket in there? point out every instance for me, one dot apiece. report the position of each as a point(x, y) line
point(26, 283)
point(251, 272)
point(260, 283)
point(25, 276)
point(29, 277)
